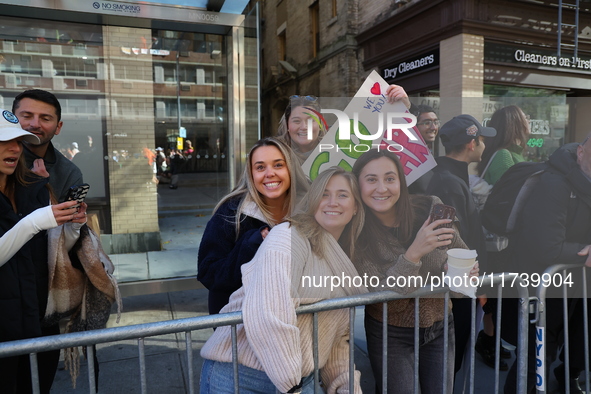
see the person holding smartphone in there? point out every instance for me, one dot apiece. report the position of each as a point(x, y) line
point(265, 196)
point(398, 240)
point(25, 214)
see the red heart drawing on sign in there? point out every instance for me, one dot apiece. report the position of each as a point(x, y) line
point(376, 89)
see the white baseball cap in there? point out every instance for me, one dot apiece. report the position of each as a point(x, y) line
point(10, 129)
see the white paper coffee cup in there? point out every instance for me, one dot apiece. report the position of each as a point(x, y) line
point(461, 258)
point(459, 265)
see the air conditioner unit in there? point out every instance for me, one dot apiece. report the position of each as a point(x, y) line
point(11, 81)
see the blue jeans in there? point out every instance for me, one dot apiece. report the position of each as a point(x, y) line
point(218, 378)
point(401, 357)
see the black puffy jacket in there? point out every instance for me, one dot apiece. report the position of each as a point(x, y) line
point(555, 224)
point(23, 279)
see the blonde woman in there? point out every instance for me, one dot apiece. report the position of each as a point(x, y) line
point(265, 196)
point(274, 344)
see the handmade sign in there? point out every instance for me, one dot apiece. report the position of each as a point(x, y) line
point(370, 122)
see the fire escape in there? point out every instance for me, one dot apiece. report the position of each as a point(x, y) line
point(574, 28)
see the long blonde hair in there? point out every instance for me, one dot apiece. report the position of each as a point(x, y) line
point(305, 221)
point(246, 190)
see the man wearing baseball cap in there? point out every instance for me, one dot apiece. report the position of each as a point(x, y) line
point(463, 139)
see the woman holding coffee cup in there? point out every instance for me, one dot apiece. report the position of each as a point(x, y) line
point(398, 241)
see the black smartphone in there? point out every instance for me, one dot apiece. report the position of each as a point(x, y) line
point(78, 193)
point(442, 211)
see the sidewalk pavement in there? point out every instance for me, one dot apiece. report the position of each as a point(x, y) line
point(166, 364)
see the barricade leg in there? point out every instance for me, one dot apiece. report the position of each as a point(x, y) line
point(315, 353)
point(142, 357)
point(498, 335)
point(351, 350)
point(522, 335)
point(91, 374)
point(445, 343)
point(416, 368)
point(586, 330)
point(189, 349)
point(385, 347)
point(34, 373)
point(235, 358)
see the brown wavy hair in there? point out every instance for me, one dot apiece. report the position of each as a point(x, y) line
point(512, 128)
point(411, 213)
point(23, 176)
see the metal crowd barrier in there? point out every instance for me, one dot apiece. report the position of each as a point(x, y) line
point(187, 325)
point(541, 340)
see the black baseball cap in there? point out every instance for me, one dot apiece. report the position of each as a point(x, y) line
point(463, 129)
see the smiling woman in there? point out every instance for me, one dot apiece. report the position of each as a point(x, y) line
point(271, 178)
point(399, 242)
point(337, 207)
point(301, 113)
point(265, 196)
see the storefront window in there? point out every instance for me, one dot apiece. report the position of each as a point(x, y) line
point(124, 91)
point(546, 109)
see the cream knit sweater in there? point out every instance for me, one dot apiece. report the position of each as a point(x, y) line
point(273, 339)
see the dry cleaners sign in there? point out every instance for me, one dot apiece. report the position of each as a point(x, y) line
point(411, 66)
point(534, 57)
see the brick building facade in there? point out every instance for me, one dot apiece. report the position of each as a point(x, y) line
point(480, 54)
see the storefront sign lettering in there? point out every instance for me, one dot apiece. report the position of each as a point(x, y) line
point(540, 368)
point(116, 7)
point(420, 63)
point(203, 17)
point(549, 60)
point(539, 126)
point(535, 142)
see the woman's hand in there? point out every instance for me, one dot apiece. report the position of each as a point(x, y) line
point(39, 168)
point(69, 212)
point(475, 271)
point(396, 93)
point(265, 232)
point(428, 239)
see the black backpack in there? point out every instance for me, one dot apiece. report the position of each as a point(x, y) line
point(508, 196)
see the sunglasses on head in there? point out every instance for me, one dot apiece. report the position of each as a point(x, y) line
point(309, 98)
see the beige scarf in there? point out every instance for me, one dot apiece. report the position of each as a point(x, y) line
point(81, 287)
